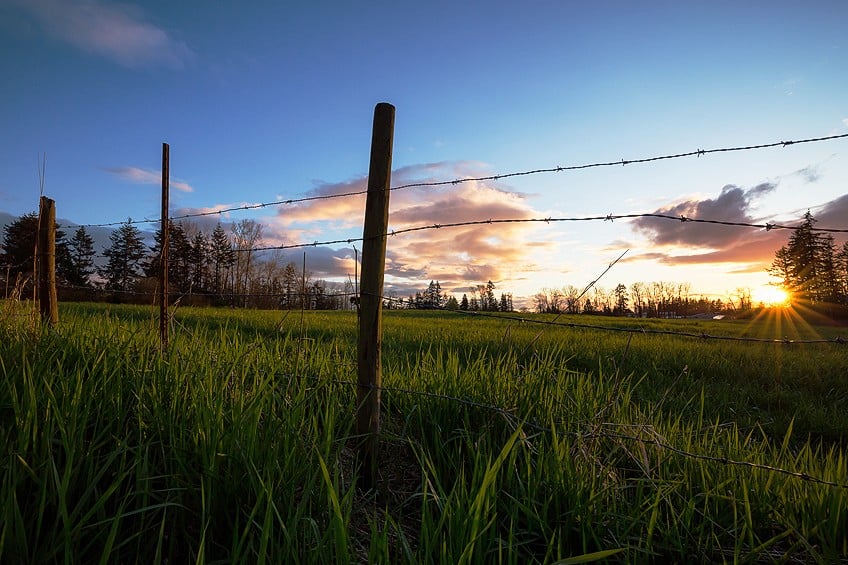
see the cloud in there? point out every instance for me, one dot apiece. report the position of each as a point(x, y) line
point(810, 174)
point(456, 256)
point(732, 205)
point(147, 176)
point(115, 31)
point(685, 243)
point(833, 214)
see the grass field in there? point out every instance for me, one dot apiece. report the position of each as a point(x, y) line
point(503, 441)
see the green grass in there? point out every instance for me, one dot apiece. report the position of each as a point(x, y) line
point(236, 446)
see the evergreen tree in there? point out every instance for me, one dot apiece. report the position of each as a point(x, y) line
point(781, 267)
point(433, 297)
point(291, 283)
point(124, 256)
point(81, 254)
point(621, 298)
point(19, 238)
point(807, 265)
point(463, 304)
point(221, 258)
point(199, 262)
point(179, 257)
point(487, 297)
point(841, 266)
point(19, 241)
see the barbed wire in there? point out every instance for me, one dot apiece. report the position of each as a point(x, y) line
point(548, 220)
point(621, 162)
point(462, 180)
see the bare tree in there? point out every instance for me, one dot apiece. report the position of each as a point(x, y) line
point(247, 235)
point(637, 294)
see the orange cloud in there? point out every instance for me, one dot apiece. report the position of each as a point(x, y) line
point(456, 256)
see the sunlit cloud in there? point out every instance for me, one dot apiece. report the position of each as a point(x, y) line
point(115, 31)
point(732, 205)
point(751, 250)
point(456, 256)
point(147, 176)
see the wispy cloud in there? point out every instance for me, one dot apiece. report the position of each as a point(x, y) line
point(147, 176)
point(116, 31)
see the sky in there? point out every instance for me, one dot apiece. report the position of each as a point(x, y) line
point(269, 101)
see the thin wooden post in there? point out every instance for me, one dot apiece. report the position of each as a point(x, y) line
point(371, 289)
point(163, 257)
point(47, 301)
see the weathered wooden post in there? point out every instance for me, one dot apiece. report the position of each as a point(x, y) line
point(46, 262)
point(371, 291)
point(163, 256)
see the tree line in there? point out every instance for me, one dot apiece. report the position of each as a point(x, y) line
point(658, 299)
point(222, 268)
point(483, 299)
point(217, 268)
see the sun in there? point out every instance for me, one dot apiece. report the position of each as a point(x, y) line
point(769, 295)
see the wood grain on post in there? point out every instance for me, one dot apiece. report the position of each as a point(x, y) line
point(47, 299)
point(371, 291)
point(165, 243)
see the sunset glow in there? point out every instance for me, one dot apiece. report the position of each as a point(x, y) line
point(771, 296)
point(509, 121)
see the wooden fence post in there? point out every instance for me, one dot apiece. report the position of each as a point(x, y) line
point(371, 291)
point(46, 263)
point(163, 256)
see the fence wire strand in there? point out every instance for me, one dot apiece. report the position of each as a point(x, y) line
point(495, 177)
point(548, 220)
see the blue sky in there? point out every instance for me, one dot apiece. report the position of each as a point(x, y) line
point(268, 101)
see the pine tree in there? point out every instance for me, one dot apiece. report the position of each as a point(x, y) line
point(199, 262)
point(621, 298)
point(463, 304)
point(124, 254)
point(433, 297)
point(221, 258)
point(807, 264)
point(19, 241)
point(841, 265)
point(487, 297)
point(291, 283)
point(81, 254)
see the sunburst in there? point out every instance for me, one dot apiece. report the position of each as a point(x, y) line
point(771, 296)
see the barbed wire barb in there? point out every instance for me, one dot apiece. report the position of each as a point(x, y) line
point(495, 177)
